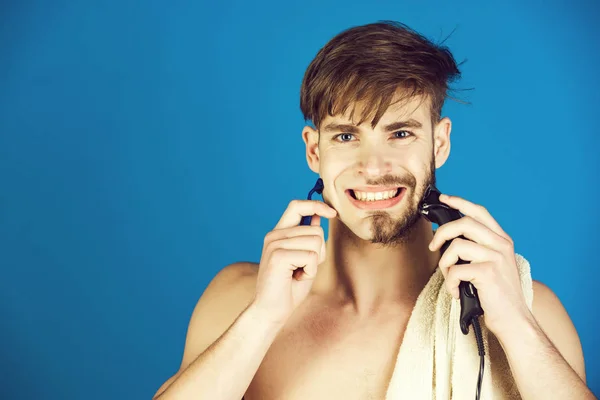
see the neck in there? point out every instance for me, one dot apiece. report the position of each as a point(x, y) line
point(369, 278)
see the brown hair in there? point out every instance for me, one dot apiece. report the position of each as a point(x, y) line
point(368, 64)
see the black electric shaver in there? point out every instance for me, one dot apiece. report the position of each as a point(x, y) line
point(440, 213)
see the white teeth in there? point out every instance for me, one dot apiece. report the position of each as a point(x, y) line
point(373, 196)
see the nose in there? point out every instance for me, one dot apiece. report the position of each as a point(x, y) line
point(374, 163)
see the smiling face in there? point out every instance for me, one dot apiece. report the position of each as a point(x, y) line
point(376, 177)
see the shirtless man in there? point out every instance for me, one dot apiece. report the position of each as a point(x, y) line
point(332, 329)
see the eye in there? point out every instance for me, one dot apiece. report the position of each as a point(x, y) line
point(400, 132)
point(344, 136)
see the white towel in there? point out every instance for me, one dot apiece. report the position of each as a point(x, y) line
point(437, 361)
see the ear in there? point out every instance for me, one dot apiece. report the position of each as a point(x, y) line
point(441, 141)
point(311, 139)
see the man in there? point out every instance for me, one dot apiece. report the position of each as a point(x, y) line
point(320, 319)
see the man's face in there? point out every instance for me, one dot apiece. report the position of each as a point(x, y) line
point(376, 177)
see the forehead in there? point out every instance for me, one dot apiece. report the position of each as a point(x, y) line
point(417, 108)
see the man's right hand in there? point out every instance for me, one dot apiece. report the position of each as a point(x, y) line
point(289, 261)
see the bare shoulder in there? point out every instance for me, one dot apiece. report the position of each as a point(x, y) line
point(227, 295)
point(556, 323)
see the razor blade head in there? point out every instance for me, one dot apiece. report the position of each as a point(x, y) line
point(431, 197)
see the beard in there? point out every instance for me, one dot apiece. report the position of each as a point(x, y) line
point(388, 231)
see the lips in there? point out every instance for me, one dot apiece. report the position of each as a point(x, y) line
point(374, 194)
point(375, 204)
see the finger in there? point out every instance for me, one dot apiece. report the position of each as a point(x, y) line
point(479, 274)
point(470, 229)
point(287, 261)
point(308, 243)
point(301, 208)
point(475, 211)
point(465, 250)
point(299, 230)
point(316, 221)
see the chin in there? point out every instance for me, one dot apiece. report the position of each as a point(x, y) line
point(392, 232)
point(383, 228)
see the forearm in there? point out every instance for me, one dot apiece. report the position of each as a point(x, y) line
point(224, 371)
point(539, 369)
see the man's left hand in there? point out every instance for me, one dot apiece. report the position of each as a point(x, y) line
point(492, 268)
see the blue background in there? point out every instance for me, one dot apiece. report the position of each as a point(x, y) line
point(145, 145)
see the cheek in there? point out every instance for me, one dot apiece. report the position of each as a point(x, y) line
point(335, 172)
point(334, 165)
point(418, 164)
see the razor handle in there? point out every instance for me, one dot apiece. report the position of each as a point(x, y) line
point(440, 213)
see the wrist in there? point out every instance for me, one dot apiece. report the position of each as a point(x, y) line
point(252, 325)
point(264, 317)
point(519, 329)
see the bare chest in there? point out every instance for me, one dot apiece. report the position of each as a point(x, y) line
point(326, 358)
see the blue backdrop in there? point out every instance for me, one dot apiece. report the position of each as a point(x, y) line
point(137, 140)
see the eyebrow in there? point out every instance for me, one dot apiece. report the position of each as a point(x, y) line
point(350, 128)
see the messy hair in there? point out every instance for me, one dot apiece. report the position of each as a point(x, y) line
point(371, 65)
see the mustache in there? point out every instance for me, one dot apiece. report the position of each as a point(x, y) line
point(391, 180)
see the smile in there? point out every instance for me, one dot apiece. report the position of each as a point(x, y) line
point(371, 199)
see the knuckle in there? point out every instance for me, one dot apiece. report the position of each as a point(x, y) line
point(443, 263)
point(268, 237)
point(277, 255)
point(315, 231)
point(268, 248)
point(294, 203)
point(453, 245)
point(443, 257)
point(316, 241)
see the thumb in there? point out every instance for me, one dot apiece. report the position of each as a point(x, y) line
point(316, 220)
